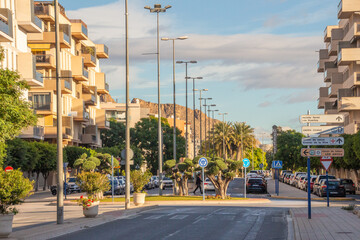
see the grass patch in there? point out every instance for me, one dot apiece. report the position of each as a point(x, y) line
point(351, 207)
point(170, 198)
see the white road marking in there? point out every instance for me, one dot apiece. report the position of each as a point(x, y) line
point(171, 234)
point(154, 217)
point(256, 227)
point(179, 216)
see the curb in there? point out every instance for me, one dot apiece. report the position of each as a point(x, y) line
point(295, 226)
point(313, 199)
point(76, 224)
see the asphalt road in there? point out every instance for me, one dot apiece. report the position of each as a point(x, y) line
point(194, 222)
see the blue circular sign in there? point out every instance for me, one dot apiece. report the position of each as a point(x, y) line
point(261, 165)
point(203, 162)
point(246, 163)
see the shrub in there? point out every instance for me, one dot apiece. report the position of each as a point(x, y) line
point(139, 179)
point(14, 188)
point(93, 183)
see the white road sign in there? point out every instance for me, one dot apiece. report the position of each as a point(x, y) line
point(311, 130)
point(328, 118)
point(323, 141)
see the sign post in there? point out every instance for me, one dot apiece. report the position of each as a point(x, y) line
point(326, 162)
point(203, 162)
point(246, 164)
point(277, 165)
point(112, 178)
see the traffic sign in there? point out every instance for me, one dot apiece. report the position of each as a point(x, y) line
point(311, 130)
point(326, 162)
point(328, 118)
point(323, 141)
point(122, 162)
point(246, 163)
point(123, 154)
point(261, 165)
point(203, 162)
point(8, 169)
point(320, 152)
point(277, 164)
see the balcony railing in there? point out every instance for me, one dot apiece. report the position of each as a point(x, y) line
point(43, 58)
point(4, 27)
point(41, 10)
point(86, 115)
point(68, 131)
point(106, 86)
point(106, 49)
point(66, 37)
point(93, 58)
point(85, 73)
point(68, 85)
point(40, 101)
point(339, 56)
point(38, 131)
point(39, 76)
point(84, 29)
point(38, 22)
point(93, 98)
point(340, 6)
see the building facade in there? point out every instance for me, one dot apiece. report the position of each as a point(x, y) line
point(340, 64)
point(27, 35)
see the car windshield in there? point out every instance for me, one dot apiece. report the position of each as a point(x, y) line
point(72, 180)
point(255, 180)
point(333, 183)
point(347, 181)
point(166, 178)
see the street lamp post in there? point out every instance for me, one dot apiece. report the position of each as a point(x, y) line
point(186, 93)
point(193, 78)
point(158, 9)
point(205, 105)
point(213, 130)
point(201, 90)
point(174, 92)
point(223, 114)
point(209, 116)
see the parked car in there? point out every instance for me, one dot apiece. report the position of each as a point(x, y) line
point(292, 179)
point(319, 177)
point(117, 188)
point(150, 184)
point(335, 188)
point(283, 174)
point(317, 186)
point(312, 180)
point(256, 185)
point(297, 180)
point(287, 178)
point(122, 186)
point(71, 184)
point(301, 183)
point(349, 185)
point(167, 182)
point(208, 185)
point(155, 179)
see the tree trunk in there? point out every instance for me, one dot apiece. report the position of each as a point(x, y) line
point(238, 153)
point(37, 182)
point(185, 186)
point(45, 176)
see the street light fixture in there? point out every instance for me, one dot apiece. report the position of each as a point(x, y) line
point(201, 90)
point(174, 92)
point(157, 9)
point(213, 130)
point(209, 116)
point(186, 78)
point(205, 105)
point(193, 78)
point(223, 114)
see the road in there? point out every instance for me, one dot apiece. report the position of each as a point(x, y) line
point(194, 222)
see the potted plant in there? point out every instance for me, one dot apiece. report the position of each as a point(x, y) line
point(94, 184)
point(139, 179)
point(14, 187)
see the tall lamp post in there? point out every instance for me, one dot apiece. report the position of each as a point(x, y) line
point(201, 90)
point(209, 116)
point(193, 78)
point(186, 91)
point(206, 105)
point(158, 9)
point(213, 130)
point(223, 114)
point(174, 92)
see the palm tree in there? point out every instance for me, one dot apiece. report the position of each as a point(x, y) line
point(222, 138)
point(242, 137)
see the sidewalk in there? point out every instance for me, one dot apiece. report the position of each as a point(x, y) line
point(326, 224)
point(287, 191)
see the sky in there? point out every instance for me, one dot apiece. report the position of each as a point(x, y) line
point(257, 58)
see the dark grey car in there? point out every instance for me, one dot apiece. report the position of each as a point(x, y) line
point(349, 185)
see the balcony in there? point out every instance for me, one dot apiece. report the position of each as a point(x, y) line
point(42, 102)
point(27, 69)
point(33, 132)
point(101, 119)
point(348, 55)
point(90, 95)
point(352, 128)
point(45, 12)
point(78, 71)
point(26, 18)
point(330, 107)
point(323, 56)
point(89, 60)
point(349, 104)
point(51, 132)
point(353, 80)
point(78, 106)
point(328, 74)
point(49, 37)
point(66, 85)
point(327, 32)
point(6, 25)
point(45, 61)
point(79, 29)
point(89, 139)
point(100, 82)
point(102, 51)
point(337, 35)
point(333, 90)
point(347, 7)
point(323, 97)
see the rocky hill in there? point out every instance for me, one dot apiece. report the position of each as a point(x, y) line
point(167, 110)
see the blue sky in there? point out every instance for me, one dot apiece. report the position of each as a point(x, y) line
point(258, 58)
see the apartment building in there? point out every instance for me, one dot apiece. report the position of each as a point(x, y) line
point(83, 85)
point(340, 64)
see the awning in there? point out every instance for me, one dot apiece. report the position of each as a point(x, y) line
point(39, 47)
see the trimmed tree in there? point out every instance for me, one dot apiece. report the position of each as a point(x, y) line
point(181, 173)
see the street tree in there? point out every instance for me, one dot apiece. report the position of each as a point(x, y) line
point(46, 163)
point(242, 137)
point(181, 173)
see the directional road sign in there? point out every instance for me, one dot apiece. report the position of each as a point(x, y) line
point(123, 154)
point(326, 162)
point(203, 162)
point(311, 130)
point(246, 163)
point(261, 165)
point(122, 162)
point(328, 118)
point(320, 152)
point(277, 164)
point(323, 141)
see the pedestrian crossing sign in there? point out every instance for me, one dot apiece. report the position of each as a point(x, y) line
point(277, 164)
